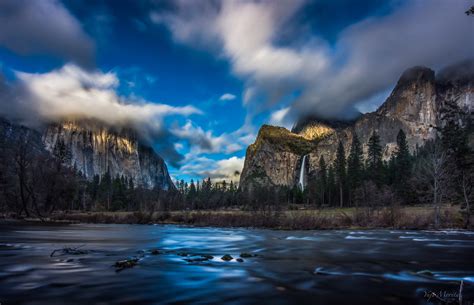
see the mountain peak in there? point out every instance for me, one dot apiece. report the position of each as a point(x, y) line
point(416, 74)
point(414, 93)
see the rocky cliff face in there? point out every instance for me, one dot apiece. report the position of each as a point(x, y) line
point(274, 157)
point(415, 105)
point(94, 149)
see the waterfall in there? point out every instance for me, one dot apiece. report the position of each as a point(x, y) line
point(302, 172)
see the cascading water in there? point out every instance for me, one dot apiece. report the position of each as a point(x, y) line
point(302, 173)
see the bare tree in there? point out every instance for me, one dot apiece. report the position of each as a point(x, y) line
point(23, 161)
point(466, 187)
point(432, 169)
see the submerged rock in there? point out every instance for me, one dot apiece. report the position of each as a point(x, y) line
point(68, 251)
point(198, 258)
point(227, 258)
point(126, 263)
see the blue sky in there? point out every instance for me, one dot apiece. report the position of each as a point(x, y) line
point(219, 70)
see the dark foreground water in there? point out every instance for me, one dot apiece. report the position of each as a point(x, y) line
point(291, 267)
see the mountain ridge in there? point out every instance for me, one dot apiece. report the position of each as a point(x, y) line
point(94, 148)
point(415, 106)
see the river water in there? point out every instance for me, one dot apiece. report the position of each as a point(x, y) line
point(290, 267)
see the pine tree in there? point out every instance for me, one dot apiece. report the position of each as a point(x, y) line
point(181, 187)
point(374, 159)
point(118, 195)
point(191, 196)
point(208, 185)
point(331, 184)
point(340, 165)
point(402, 161)
point(392, 169)
point(105, 188)
point(130, 194)
point(93, 188)
point(354, 164)
point(322, 179)
point(62, 153)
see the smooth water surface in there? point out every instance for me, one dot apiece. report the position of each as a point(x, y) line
point(291, 267)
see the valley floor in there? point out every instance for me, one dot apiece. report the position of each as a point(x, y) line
point(409, 217)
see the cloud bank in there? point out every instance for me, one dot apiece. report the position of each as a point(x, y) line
point(329, 78)
point(44, 27)
point(74, 93)
point(79, 91)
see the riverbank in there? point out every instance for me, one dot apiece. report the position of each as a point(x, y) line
point(412, 218)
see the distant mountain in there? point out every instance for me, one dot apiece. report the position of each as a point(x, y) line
point(94, 148)
point(417, 105)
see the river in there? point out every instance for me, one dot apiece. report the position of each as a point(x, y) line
point(289, 267)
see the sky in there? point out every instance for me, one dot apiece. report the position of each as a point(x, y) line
point(196, 79)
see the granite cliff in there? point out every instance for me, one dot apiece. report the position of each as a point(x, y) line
point(417, 105)
point(94, 148)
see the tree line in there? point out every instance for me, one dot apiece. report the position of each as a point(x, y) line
point(34, 182)
point(352, 180)
point(441, 171)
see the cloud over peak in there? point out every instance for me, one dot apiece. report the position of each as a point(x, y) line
point(328, 77)
point(71, 92)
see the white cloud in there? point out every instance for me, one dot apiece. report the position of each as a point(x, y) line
point(204, 141)
point(278, 118)
point(227, 97)
point(218, 170)
point(367, 58)
point(71, 92)
point(74, 93)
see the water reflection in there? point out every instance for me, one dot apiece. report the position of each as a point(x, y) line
point(327, 267)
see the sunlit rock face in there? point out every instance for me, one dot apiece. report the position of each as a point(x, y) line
point(316, 131)
point(274, 157)
point(94, 148)
point(417, 105)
